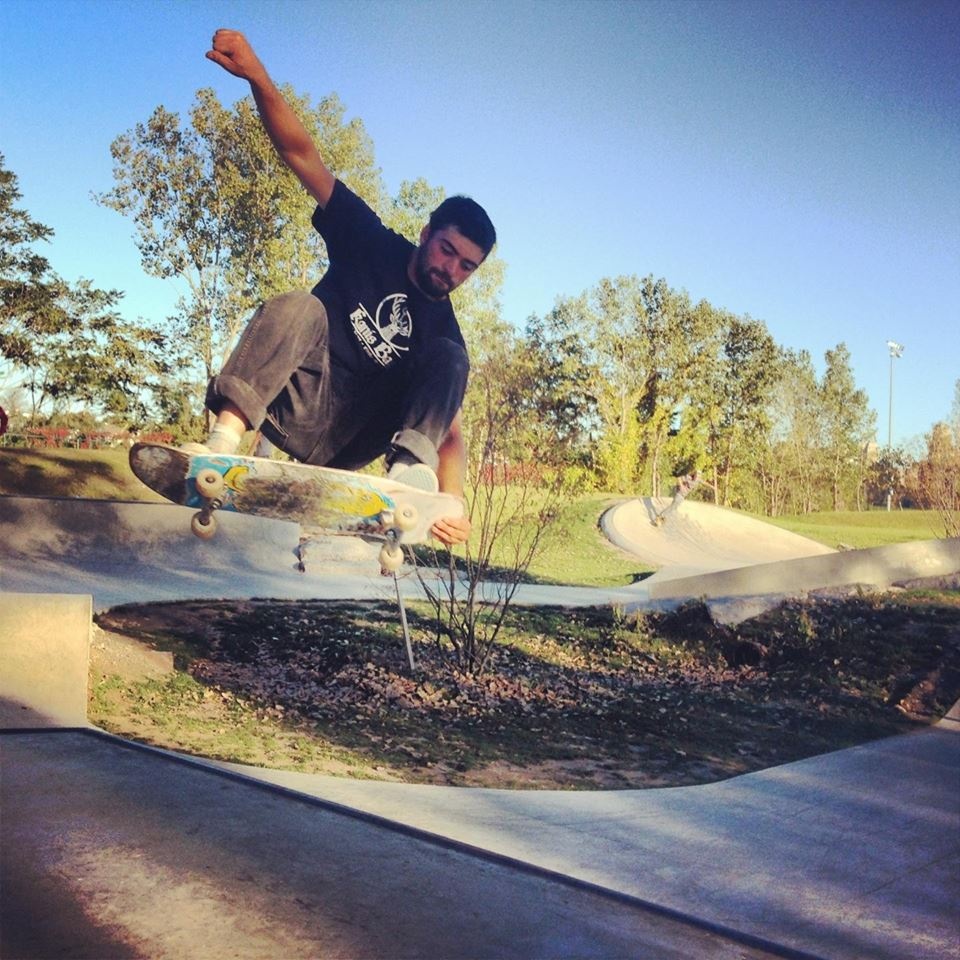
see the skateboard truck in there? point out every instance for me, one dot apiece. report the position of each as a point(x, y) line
point(396, 522)
point(391, 553)
point(210, 486)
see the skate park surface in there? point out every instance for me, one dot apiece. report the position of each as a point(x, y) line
point(112, 849)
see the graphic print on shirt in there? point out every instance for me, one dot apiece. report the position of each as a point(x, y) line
point(386, 336)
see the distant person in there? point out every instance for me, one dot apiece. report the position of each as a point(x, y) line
point(371, 362)
point(684, 487)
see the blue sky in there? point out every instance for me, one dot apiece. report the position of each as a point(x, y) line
point(795, 161)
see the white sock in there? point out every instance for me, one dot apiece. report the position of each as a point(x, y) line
point(223, 440)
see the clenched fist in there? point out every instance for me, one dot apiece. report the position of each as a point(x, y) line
point(233, 52)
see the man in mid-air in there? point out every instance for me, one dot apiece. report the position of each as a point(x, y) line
point(371, 362)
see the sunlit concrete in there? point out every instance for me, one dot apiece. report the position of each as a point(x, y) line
point(700, 538)
point(122, 552)
point(850, 855)
point(44, 658)
point(106, 851)
point(741, 566)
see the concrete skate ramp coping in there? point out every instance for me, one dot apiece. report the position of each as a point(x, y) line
point(710, 552)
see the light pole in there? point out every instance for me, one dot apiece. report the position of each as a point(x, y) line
point(896, 351)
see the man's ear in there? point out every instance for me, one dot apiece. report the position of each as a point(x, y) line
point(424, 234)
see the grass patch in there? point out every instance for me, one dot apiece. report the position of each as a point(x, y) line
point(862, 529)
point(62, 472)
point(576, 551)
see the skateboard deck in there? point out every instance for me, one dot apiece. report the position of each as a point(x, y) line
point(337, 502)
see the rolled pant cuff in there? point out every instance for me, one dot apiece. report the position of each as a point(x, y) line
point(225, 388)
point(417, 445)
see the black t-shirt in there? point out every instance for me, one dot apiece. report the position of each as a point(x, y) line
point(377, 316)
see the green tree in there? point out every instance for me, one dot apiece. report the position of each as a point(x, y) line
point(29, 290)
point(216, 209)
point(938, 473)
point(817, 447)
point(562, 381)
point(679, 401)
point(66, 341)
point(744, 376)
point(848, 426)
point(790, 461)
point(617, 331)
point(636, 356)
point(886, 475)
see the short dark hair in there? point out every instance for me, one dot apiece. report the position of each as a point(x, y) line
point(469, 218)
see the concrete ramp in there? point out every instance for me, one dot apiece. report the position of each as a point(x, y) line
point(699, 537)
point(742, 566)
point(875, 567)
point(121, 552)
point(44, 659)
point(119, 533)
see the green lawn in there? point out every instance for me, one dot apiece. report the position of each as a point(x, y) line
point(869, 528)
point(64, 472)
point(576, 551)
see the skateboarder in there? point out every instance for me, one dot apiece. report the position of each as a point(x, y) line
point(372, 361)
point(685, 486)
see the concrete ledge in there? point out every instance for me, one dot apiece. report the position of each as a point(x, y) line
point(44, 659)
point(876, 567)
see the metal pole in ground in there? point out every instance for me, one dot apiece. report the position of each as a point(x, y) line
point(403, 623)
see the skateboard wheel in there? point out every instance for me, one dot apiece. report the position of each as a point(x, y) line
point(391, 557)
point(406, 517)
point(203, 527)
point(209, 483)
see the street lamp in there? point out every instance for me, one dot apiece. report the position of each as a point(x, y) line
point(896, 351)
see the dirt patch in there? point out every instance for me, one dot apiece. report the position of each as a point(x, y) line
point(574, 699)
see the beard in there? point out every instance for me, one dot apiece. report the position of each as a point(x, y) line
point(433, 282)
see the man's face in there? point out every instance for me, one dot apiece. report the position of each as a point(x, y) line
point(444, 259)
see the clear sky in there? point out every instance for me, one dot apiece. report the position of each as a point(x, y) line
point(795, 161)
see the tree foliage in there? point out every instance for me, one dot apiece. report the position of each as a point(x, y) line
point(65, 343)
point(937, 477)
point(29, 290)
point(655, 385)
point(818, 444)
point(216, 209)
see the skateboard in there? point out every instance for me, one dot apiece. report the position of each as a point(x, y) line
point(337, 502)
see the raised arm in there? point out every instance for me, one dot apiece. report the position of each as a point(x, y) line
point(289, 136)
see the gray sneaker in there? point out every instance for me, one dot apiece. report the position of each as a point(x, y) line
point(417, 475)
